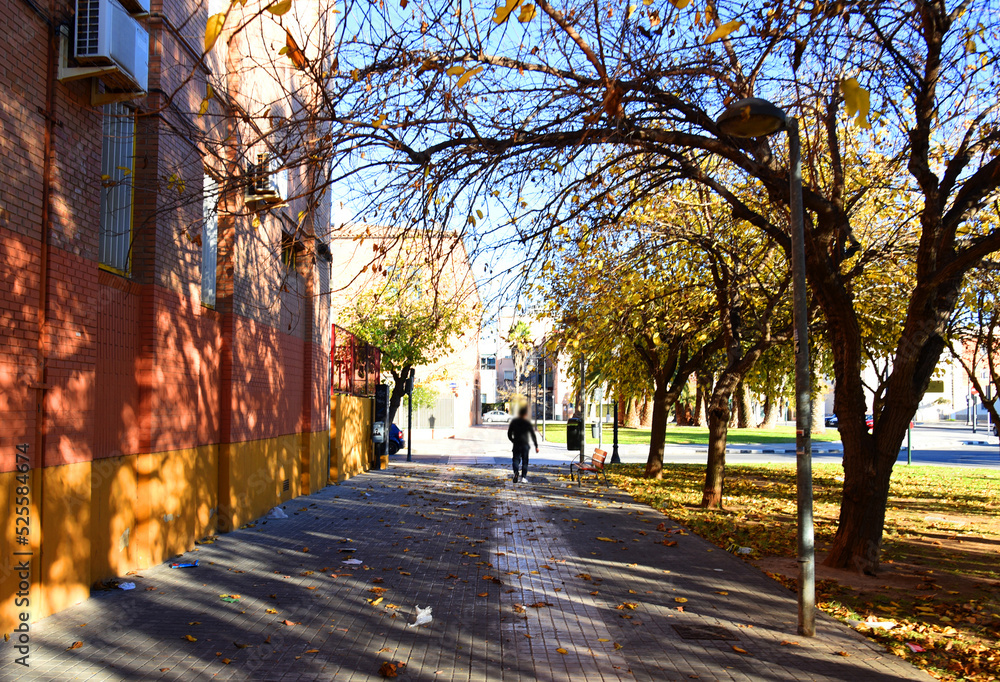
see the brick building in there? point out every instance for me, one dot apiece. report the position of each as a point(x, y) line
point(371, 258)
point(165, 298)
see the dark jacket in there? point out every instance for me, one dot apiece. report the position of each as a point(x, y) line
point(519, 430)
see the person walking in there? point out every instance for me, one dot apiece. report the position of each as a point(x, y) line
point(517, 433)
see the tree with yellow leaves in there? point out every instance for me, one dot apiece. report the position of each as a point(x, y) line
point(567, 95)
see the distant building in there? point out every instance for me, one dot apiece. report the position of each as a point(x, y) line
point(949, 396)
point(457, 376)
point(552, 392)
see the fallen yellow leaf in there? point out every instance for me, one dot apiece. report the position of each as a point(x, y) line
point(190, 638)
point(562, 651)
point(680, 600)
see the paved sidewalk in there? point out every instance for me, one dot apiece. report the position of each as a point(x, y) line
point(534, 582)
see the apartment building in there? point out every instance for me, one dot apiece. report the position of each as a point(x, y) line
point(165, 366)
point(435, 268)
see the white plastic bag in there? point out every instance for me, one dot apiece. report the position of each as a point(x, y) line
point(126, 586)
point(277, 513)
point(352, 562)
point(423, 617)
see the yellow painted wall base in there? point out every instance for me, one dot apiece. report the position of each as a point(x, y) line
point(64, 578)
point(315, 451)
point(102, 519)
point(253, 476)
point(351, 448)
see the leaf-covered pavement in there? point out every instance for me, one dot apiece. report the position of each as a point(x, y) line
point(542, 581)
point(940, 587)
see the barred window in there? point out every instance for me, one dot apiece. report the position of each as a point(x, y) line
point(116, 187)
point(209, 239)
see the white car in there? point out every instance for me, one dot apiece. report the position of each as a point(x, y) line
point(496, 416)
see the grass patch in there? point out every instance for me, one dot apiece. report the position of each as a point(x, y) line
point(941, 552)
point(691, 435)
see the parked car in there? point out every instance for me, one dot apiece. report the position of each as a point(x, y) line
point(496, 416)
point(833, 422)
point(396, 439)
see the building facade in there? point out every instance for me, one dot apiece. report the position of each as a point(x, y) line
point(165, 366)
point(372, 260)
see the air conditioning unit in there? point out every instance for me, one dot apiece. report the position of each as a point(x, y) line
point(267, 182)
point(107, 35)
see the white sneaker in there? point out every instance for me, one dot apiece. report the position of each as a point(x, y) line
point(524, 479)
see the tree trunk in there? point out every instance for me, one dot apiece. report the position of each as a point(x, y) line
point(658, 436)
point(743, 407)
point(869, 457)
point(646, 412)
point(703, 392)
point(398, 391)
point(718, 428)
point(632, 414)
point(771, 409)
point(818, 418)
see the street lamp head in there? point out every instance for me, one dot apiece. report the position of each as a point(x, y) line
point(751, 117)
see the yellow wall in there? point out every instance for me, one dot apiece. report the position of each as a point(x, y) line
point(314, 448)
point(251, 476)
point(65, 557)
point(350, 436)
point(105, 518)
point(178, 499)
point(60, 575)
point(114, 503)
point(148, 508)
point(8, 577)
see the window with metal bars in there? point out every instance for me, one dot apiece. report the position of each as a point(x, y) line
point(116, 187)
point(209, 239)
point(289, 247)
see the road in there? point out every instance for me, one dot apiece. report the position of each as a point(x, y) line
point(939, 444)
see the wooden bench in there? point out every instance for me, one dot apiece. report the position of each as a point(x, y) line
point(596, 466)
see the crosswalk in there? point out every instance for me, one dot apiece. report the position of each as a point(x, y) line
point(470, 460)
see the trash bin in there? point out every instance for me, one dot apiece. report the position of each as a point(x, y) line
point(574, 434)
point(595, 430)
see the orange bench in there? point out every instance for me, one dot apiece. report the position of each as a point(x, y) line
point(596, 466)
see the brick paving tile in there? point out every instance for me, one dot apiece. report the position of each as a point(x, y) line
point(538, 581)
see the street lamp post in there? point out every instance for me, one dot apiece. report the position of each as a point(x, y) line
point(615, 457)
point(755, 117)
point(544, 398)
point(409, 415)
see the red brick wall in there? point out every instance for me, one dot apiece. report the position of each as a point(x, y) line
point(133, 363)
point(18, 338)
point(116, 424)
